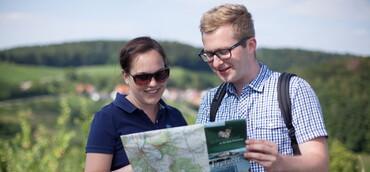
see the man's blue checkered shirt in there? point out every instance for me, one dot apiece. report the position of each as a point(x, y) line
point(258, 104)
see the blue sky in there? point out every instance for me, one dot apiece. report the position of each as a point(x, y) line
point(337, 26)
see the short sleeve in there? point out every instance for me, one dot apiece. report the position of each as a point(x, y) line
point(306, 110)
point(102, 134)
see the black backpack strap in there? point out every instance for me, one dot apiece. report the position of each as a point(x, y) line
point(217, 101)
point(285, 107)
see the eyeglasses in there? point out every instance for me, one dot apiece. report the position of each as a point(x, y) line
point(144, 79)
point(222, 54)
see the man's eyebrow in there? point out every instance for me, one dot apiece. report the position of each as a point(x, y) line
point(208, 51)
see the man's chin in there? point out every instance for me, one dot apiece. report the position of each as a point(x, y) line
point(224, 78)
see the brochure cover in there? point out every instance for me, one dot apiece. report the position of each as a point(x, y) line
point(226, 145)
point(174, 149)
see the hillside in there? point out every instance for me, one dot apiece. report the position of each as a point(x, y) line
point(341, 81)
point(76, 54)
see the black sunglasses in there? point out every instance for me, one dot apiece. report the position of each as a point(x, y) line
point(144, 79)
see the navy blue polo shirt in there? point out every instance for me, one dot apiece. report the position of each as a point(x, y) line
point(121, 117)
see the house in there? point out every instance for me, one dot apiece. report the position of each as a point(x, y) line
point(120, 88)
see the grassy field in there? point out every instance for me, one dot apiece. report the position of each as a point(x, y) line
point(44, 106)
point(101, 70)
point(364, 161)
point(16, 73)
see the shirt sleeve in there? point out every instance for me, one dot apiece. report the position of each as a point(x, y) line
point(102, 134)
point(104, 138)
point(307, 115)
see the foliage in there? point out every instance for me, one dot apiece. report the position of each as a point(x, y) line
point(345, 108)
point(188, 111)
point(44, 110)
point(364, 160)
point(39, 150)
point(61, 148)
point(341, 159)
point(67, 54)
point(58, 148)
point(83, 125)
point(343, 88)
point(184, 56)
point(284, 59)
point(89, 53)
point(341, 81)
point(183, 79)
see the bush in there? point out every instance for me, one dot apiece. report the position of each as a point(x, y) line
point(341, 159)
point(39, 149)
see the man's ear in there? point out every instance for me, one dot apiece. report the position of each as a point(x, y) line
point(252, 45)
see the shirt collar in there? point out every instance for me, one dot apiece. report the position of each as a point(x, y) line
point(257, 84)
point(127, 106)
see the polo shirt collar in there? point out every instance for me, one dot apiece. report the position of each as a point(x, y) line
point(127, 106)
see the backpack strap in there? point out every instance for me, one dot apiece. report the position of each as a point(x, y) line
point(217, 101)
point(285, 107)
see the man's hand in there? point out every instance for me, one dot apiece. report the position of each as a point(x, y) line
point(263, 152)
point(314, 156)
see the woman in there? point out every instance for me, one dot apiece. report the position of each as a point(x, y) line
point(145, 70)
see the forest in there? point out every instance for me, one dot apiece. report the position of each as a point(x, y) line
point(43, 122)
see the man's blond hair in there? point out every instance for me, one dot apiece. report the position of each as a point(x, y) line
point(234, 14)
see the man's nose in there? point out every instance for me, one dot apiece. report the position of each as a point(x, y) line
point(217, 61)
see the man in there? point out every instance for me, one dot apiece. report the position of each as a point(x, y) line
point(230, 50)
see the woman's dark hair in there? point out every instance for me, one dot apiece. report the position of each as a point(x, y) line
point(136, 47)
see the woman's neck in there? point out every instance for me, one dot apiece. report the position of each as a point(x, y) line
point(150, 110)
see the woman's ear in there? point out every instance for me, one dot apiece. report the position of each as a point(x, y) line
point(125, 76)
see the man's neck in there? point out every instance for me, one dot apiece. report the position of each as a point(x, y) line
point(248, 79)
